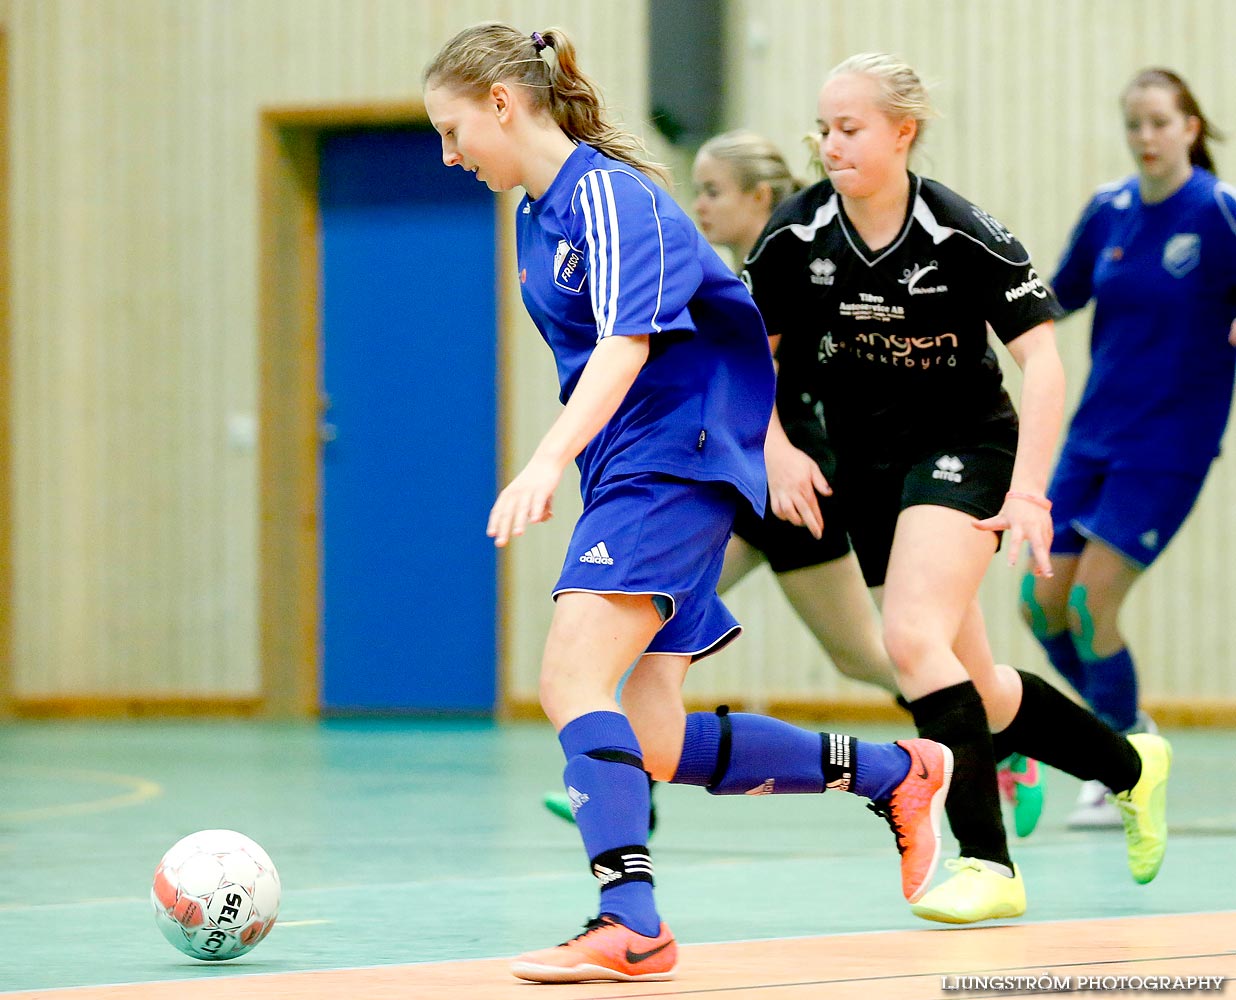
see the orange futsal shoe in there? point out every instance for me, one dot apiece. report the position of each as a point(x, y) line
point(913, 812)
point(606, 951)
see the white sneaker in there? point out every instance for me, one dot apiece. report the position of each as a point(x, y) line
point(1095, 809)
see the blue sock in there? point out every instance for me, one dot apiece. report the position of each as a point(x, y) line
point(879, 768)
point(608, 789)
point(1062, 654)
point(1111, 690)
point(741, 754)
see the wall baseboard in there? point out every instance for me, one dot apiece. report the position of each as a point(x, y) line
point(138, 707)
point(1183, 713)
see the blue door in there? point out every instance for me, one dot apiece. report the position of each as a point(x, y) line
point(409, 320)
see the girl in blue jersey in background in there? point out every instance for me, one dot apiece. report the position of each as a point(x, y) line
point(1157, 254)
point(668, 384)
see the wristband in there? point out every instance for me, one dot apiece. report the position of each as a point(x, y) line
point(1033, 498)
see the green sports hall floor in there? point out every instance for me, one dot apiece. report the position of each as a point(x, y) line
point(406, 841)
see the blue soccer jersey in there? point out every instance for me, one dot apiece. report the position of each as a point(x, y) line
point(1163, 280)
point(604, 252)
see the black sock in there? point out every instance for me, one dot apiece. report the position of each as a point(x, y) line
point(1002, 743)
point(1056, 731)
point(954, 716)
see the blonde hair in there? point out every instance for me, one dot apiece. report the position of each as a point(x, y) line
point(754, 160)
point(902, 94)
point(544, 63)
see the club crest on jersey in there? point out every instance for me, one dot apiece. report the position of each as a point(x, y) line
point(568, 267)
point(1182, 254)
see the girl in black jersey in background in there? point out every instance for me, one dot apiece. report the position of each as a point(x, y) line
point(881, 286)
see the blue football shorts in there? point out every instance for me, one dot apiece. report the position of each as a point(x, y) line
point(649, 533)
point(1135, 511)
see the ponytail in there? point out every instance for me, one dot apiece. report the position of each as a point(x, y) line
point(545, 64)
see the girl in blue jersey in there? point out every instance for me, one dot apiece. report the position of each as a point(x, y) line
point(1157, 254)
point(740, 178)
point(882, 285)
point(667, 385)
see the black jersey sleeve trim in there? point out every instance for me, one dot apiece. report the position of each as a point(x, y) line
point(939, 232)
point(804, 231)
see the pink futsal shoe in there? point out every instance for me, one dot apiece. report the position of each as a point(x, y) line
point(606, 951)
point(913, 812)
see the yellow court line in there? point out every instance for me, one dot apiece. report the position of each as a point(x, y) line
point(138, 790)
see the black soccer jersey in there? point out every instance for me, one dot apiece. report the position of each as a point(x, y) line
point(893, 342)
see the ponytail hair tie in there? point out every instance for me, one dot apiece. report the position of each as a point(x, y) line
point(538, 42)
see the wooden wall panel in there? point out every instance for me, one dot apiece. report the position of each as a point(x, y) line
point(135, 321)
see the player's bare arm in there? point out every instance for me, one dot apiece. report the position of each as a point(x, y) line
point(603, 385)
point(1026, 513)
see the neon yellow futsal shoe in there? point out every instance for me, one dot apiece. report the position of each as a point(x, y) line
point(974, 893)
point(1143, 808)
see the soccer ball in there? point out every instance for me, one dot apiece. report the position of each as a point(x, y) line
point(215, 895)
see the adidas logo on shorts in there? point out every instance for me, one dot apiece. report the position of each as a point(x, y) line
point(598, 554)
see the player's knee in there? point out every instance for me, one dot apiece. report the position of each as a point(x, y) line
point(908, 645)
point(867, 667)
point(557, 693)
